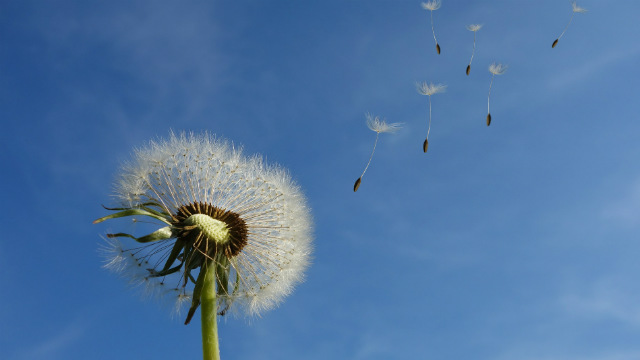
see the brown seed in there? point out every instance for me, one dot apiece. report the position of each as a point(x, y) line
point(357, 184)
point(554, 44)
point(468, 69)
point(438, 48)
point(425, 145)
point(488, 119)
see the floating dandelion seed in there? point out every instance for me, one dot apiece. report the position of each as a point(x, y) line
point(474, 28)
point(494, 69)
point(575, 9)
point(235, 234)
point(429, 89)
point(431, 6)
point(379, 126)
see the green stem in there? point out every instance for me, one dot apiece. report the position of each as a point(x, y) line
point(208, 310)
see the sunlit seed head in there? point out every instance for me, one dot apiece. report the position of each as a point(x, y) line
point(380, 126)
point(429, 89)
point(474, 27)
point(256, 211)
point(431, 5)
point(577, 9)
point(497, 69)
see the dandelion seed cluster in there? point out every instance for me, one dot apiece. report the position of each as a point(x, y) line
point(215, 206)
point(429, 89)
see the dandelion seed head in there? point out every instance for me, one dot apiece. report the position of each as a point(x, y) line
point(431, 5)
point(497, 69)
point(381, 126)
point(429, 89)
point(577, 9)
point(115, 259)
point(182, 301)
point(205, 189)
point(474, 27)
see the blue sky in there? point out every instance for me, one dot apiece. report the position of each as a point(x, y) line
point(516, 241)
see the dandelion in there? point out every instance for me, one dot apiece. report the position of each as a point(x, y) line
point(234, 234)
point(431, 6)
point(429, 89)
point(378, 126)
point(474, 28)
point(575, 9)
point(494, 69)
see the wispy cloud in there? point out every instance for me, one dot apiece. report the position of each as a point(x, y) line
point(626, 209)
point(51, 347)
point(156, 54)
point(373, 345)
point(604, 355)
point(570, 78)
point(609, 299)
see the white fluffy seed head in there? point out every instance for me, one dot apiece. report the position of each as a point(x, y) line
point(474, 27)
point(431, 5)
point(497, 69)
point(185, 169)
point(429, 89)
point(380, 126)
point(577, 9)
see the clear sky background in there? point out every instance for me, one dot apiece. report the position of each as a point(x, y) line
point(517, 241)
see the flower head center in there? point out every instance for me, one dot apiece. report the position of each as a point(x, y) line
point(211, 228)
point(202, 225)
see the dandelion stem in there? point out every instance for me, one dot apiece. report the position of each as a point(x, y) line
point(566, 27)
point(489, 97)
point(434, 33)
point(371, 157)
point(429, 126)
point(208, 309)
point(474, 48)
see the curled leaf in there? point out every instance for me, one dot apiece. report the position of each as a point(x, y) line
point(133, 212)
